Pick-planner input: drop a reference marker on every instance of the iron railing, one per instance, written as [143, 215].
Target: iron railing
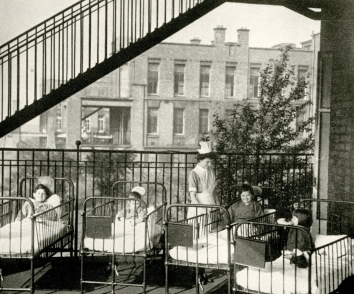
[80, 45]
[94, 171]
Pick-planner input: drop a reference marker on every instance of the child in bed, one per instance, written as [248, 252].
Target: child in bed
[247, 208]
[40, 196]
[299, 243]
[133, 212]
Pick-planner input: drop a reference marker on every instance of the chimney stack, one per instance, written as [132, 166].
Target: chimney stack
[195, 41]
[243, 36]
[219, 35]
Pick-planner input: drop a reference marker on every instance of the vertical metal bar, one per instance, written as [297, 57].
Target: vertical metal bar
[44, 63]
[157, 14]
[51, 62]
[72, 45]
[63, 51]
[122, 23]
[27, 69]
[135, 19]
[98, 32]
[90, 35]
[35, 66]
[18, 77]
[81, 39]
[114, 31]
[67, 53]
[149, 16]
[106, 30]
[59, 53]
[54, 59]
[2, 90]
[9, 81]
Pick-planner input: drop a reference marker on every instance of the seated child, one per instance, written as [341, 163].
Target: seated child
[246, 208]
[133, 212]
[299, 243]
[40, 205]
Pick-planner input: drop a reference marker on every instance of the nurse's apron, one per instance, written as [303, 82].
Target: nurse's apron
[204, 198]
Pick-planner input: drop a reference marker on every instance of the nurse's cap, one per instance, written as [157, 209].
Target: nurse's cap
[139, 189]
[205, 147]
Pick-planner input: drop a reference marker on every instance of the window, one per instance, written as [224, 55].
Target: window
[302, 75]
[230, 81]
[203, 121]
[179, 79]
[204, 80]
[58, 120]
[178, 121]
[254, 82]
[299, 121]
[152, 120]
[101, 123]
[153, 78]
[87, 124]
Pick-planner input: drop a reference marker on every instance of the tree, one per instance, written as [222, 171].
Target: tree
[266, 126]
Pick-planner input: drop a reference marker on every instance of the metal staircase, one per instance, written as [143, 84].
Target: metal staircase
[69, 51]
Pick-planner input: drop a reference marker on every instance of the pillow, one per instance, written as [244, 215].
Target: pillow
[54, 200]
[336, 249]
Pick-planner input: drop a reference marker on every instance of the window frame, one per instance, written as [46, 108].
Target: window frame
[253, 87]
[149, 124]
[204, 78]
[177, 79]
[202, 118]
[232, 86]
[178, 121]
[151, 83]
[99, 120]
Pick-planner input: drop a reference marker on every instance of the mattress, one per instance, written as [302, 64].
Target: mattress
[15, 237]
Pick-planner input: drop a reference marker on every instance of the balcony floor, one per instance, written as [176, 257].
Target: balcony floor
[62, 275]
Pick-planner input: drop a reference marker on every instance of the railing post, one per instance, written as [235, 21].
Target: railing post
[78, 143]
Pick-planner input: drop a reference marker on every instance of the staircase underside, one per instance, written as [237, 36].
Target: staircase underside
[133, 50]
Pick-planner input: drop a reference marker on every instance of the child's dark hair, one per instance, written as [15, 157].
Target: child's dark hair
[245, 188]
[43, 187]
[210, 155]
[304, 216]
[135, 195]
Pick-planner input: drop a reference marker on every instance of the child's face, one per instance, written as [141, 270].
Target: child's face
[133, 204]
[295, 220]
[40, 195]
[246, 197]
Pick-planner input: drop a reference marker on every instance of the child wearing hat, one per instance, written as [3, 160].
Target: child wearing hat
[133, 212]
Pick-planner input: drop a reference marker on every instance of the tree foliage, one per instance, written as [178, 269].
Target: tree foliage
[268, 125]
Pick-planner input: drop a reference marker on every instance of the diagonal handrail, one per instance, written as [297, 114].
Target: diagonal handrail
[77, 46]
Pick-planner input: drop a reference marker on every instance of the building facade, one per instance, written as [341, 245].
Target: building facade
[166, 98]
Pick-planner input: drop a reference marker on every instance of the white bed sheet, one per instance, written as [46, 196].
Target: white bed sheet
[274, 276]
[215, 253]
[128, 239]
[15, 237]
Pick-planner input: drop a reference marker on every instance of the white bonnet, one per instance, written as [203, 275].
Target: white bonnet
[205, 147]
[139, 189]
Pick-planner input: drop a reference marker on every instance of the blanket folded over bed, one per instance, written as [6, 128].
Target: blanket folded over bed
[15, 237]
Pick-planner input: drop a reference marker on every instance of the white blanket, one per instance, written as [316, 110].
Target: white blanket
[127, 239]
[211, 249]
[288, 279]
[15, 237]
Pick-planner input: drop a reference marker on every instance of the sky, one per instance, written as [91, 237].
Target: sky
[268, 25]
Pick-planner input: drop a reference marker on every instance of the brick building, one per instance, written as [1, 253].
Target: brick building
[166, 97]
